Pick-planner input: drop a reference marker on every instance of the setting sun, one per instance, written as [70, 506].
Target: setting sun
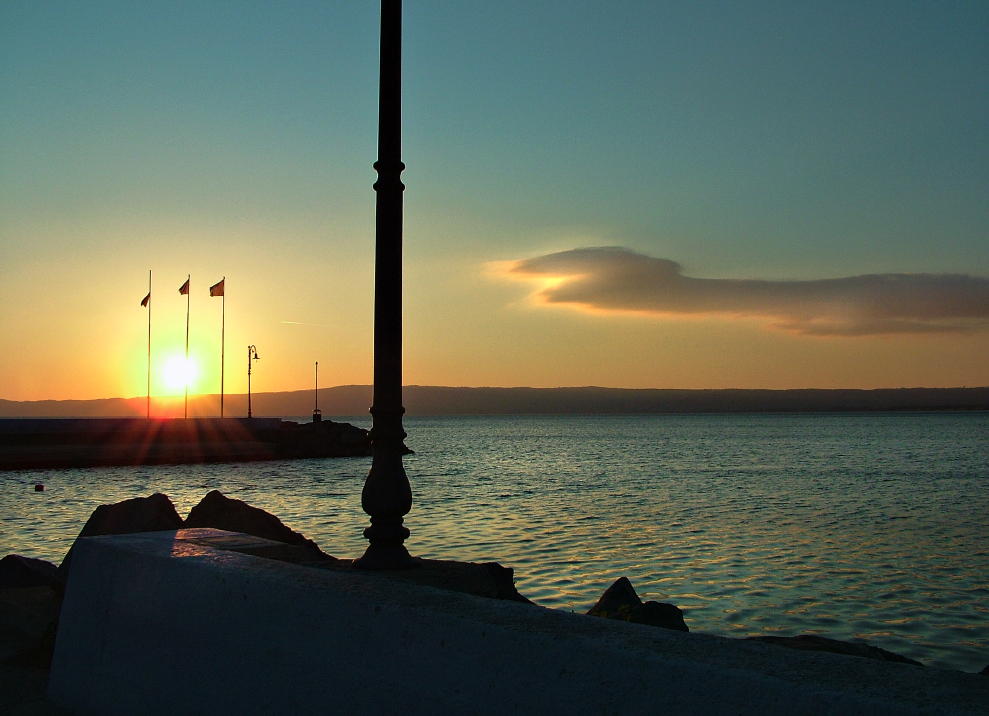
[179, 372]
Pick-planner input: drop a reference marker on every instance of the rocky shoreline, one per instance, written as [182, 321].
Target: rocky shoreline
[31, 589]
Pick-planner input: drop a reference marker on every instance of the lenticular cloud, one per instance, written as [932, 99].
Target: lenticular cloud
[613, 278]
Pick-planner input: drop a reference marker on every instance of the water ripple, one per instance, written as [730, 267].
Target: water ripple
[847, 525]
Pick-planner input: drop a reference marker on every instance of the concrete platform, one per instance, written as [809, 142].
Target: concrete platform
[179, 622]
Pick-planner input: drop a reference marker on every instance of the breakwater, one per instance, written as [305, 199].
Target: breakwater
[37, 443]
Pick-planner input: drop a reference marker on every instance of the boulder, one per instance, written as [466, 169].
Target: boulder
[139, 514]
[28, 622]
[659, 614]
[985, 671]
[482, 579]
[813, 642]
[620, 601]
[323, 439]
[18, 571]
[223, 513]
[502, 580]
[620, 597]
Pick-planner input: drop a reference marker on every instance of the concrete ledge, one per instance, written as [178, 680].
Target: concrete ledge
[175, 622]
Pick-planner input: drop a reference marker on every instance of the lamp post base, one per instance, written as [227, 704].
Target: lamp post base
[386, 557]
[386, 549]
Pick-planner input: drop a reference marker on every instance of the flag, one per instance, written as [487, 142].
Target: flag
[184, 288]
[217, 288]
[146, 300]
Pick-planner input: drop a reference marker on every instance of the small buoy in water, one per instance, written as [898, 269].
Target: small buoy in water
[39, 487]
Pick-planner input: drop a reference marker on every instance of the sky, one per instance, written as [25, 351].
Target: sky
[635, 194]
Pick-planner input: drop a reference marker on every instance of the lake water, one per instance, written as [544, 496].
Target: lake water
[869, 526]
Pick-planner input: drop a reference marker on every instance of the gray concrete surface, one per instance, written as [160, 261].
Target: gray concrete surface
[172, 622]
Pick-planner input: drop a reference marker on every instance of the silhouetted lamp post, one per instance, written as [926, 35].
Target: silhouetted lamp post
[387, 495]
[317, 415]
[252, 352]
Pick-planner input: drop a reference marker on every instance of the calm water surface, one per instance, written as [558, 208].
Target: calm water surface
[870, 526]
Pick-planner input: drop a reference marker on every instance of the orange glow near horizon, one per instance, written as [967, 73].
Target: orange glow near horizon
[294, 322]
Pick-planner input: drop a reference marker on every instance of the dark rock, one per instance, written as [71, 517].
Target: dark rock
[18, 571]
[659, 614]
[985, 671]
[483, 579]
[139, 514]
[620, 597]
[503, 581]
[326, 438]
[28, 621]
[22, 692]
[620, 602]
[221, 512]
[323, 439]
[813, 642]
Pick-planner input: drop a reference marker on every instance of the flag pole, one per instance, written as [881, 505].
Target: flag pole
[188, 295]
[149, 345]
[223, 336]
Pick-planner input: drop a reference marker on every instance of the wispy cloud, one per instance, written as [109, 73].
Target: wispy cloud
[301, 323]
[616, 279]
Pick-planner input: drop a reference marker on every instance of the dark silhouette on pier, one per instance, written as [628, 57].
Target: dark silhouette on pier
[387, 495]
[87, 442]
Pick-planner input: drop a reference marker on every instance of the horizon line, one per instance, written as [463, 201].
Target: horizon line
[179, 396]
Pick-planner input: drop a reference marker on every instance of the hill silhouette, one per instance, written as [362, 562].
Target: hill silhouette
[440, 400]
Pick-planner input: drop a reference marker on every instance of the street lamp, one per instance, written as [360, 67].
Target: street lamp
[387, 495]
[317, 415]
[252, 352]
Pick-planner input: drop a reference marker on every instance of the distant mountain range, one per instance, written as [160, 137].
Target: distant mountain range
[349, 400]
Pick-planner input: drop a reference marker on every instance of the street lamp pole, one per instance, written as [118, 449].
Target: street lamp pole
[387, 495]
[252, 352]
[317, 416]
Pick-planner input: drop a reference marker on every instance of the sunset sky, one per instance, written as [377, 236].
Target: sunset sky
[636, 194]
